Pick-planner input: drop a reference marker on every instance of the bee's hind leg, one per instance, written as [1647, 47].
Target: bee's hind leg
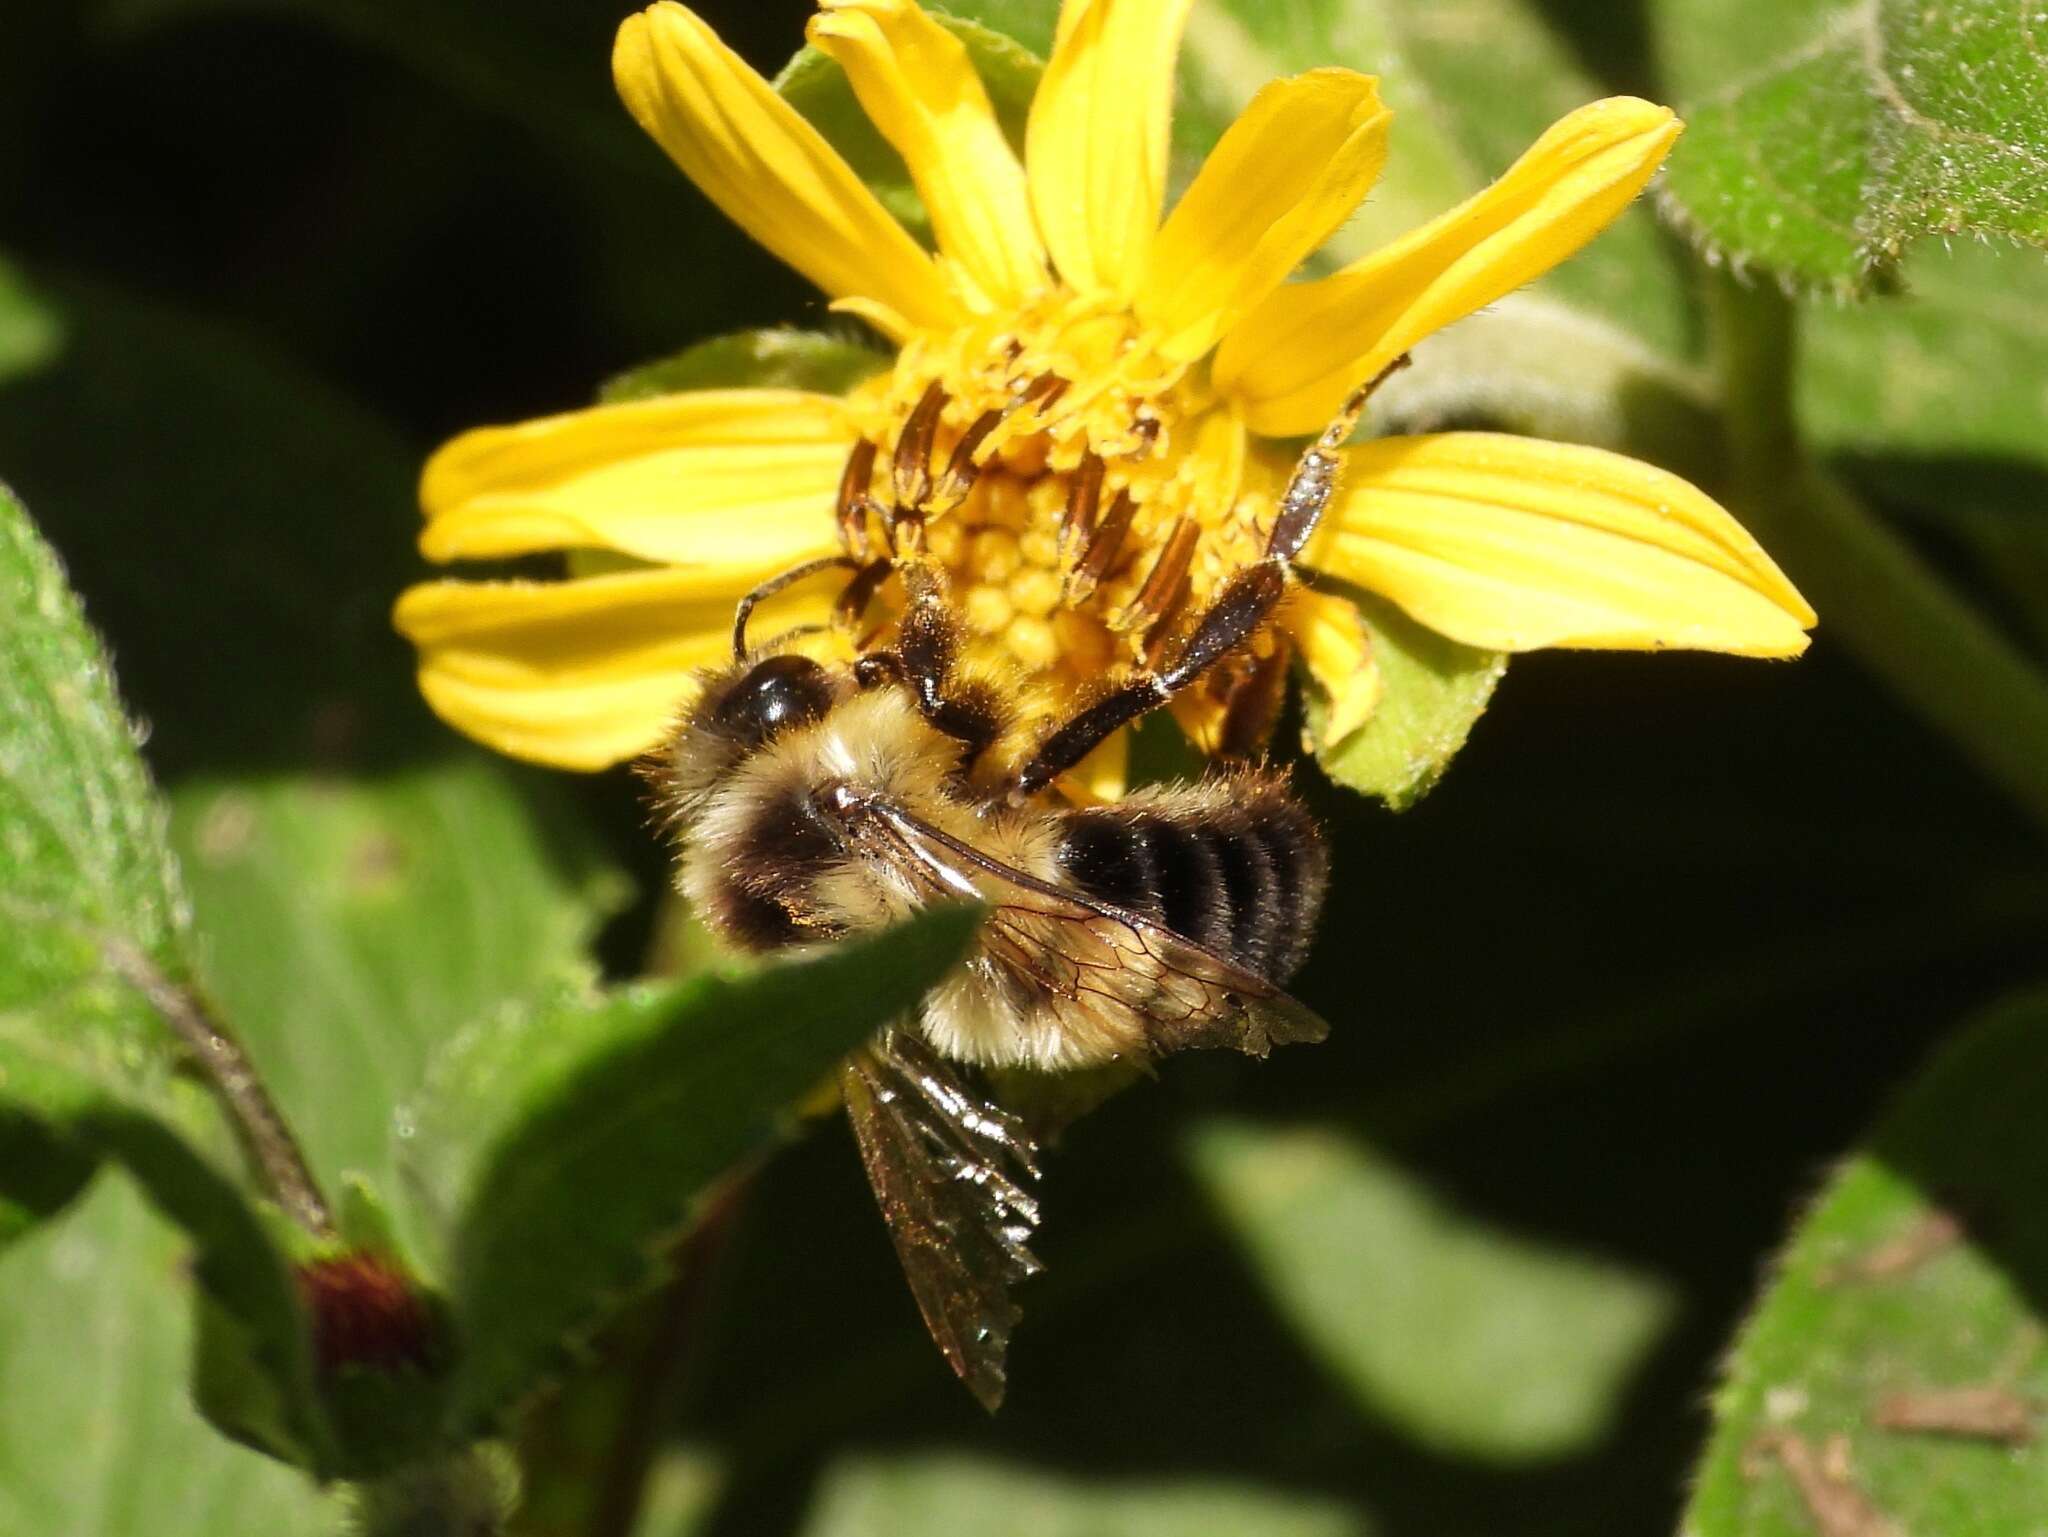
[1246, 602]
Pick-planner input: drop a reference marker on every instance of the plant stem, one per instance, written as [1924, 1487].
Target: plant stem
[1873, 590]
[266, 1138]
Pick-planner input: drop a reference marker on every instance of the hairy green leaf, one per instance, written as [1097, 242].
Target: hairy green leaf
[924, 1496]
[1475, 1341]
[1895, 1361]
[1826, 136]
[572, 1141]
[778, 358]
[1433, 691]
[88, 888]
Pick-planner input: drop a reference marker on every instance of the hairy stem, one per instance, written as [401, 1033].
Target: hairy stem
[1874, 592]
[267, 1139]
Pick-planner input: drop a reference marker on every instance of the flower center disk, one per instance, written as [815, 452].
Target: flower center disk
[1081, 493]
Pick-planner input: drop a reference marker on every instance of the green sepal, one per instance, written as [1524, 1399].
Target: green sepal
[778, 357]
[1432, 692]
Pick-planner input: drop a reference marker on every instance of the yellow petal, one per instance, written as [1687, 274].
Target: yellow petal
[1103, 775]
[1513, 544]
[1200, 715]
[916, 82]
[1338, 652]
[771, 172]
[1095, 148]
[1292, 359]
[738, 481]
[881, 317]
[1282, 178]
[577, 674]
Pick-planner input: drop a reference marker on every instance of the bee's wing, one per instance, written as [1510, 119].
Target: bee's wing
[951, 1174]
[1090, 959]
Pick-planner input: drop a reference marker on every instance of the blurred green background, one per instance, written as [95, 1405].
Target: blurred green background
[1605, 1005]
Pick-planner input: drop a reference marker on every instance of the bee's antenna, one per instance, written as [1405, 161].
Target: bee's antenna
[770, 588]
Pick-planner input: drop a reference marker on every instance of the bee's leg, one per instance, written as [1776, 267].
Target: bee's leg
[1246, 602]
[859, 592]
[928, 636]
[927, 647]
[910, 473]
[772, 586]
[1252, 701]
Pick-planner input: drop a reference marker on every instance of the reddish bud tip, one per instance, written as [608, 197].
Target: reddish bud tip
[365, 1312]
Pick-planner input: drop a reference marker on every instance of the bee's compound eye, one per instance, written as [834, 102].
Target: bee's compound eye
[782, 692]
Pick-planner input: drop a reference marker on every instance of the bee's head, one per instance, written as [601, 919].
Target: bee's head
[766, 698]
[738, 711]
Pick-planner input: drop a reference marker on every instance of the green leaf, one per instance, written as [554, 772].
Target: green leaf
[1475, 1341]
[351, 926]
[778, 358]
[1954, 366]
[571, 1142]
[106, 1114]
[1931, 400]
[97, 1429]
[1433, 690]
[98, 924]
[88, 890]
[924, 1496]
[1922, 1270]
[1825, 137]
[818, 88]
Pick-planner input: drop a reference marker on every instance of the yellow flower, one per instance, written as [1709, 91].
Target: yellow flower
[1121, 372]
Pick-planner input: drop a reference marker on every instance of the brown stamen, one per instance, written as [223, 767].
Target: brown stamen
[910, 466]
[961, 470]
[1084, 496]
[1168, 576]
[1102, 550]
[853, 503]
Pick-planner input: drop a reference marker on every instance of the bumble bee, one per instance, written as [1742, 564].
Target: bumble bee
[811, 801]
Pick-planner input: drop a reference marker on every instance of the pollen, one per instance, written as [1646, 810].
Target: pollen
[1080, 494]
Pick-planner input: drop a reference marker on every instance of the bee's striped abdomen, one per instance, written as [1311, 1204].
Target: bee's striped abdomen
[1241, 873]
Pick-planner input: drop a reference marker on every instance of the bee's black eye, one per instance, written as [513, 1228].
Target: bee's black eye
[781, 692]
